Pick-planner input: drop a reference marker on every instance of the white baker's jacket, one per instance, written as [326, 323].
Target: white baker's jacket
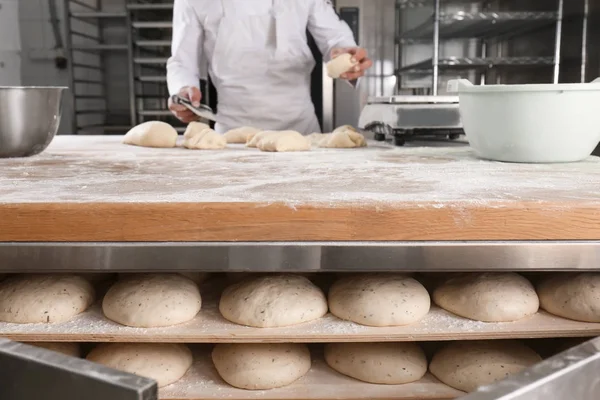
[196, 27]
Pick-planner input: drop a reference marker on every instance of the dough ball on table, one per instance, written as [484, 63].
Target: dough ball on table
[240, 135]
[151, 134]
[152, 300]
[488, 297]
[574, 296]
[259, 366]
[279, 141]
[69, 349]
[165, 363]
[199, 136]
[379, 299]
[383, 363]
[340, 65]
[273, 301]
[343, 139]
[27, 299]
[468, 365]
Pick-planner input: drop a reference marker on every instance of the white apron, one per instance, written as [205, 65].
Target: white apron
[261, 67]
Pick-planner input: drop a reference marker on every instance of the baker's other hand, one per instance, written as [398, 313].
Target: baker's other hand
[359, 55]
[181, 112]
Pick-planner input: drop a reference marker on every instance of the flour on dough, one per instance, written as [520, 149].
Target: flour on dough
[381, 363]
[253, 142]
[273, 301]
[283, 141]
[27, 299]
[240, 135]
[66, 348]
[152, 300]
[574, 296]
[260, 366]
[199, 136]
[468, 365]
[379, 299]
[340, 65]
[488, 297]
[151, 134]
[165, 363]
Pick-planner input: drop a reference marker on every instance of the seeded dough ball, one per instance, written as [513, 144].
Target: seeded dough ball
[468, 365]
[152, 300]
[379, 299]
[259, 366]
[273, 301]
[382, 363]
[27, 299]
[165, 363]
[572, 295]
[489, 297]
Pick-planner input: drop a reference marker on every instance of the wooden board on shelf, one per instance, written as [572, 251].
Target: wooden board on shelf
[210, 327]
[202, 382]
[88, 189]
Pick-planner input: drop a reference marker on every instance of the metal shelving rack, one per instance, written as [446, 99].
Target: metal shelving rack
[86, 48]
[150, 24]
[475, 25]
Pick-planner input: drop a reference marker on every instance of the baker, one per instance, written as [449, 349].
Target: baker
[258, 59]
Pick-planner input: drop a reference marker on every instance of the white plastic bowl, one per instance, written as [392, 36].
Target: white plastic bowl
[530, 123]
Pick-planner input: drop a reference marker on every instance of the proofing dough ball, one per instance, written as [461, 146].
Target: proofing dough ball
[259, 366]
[27, 299]
[344, 137]
[199, 136]
[240, 135]
[572, 295]
[68, 349]
[151, 134]
[165, 363]
[379, 299]
[489, 297]
[382, 363]
[152, 300]
[468, 365]
[273, 301]
[340, 65]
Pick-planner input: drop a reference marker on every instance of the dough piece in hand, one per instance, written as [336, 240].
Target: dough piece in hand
[27, 299]
[259, 366]
[340, 65]
[152, 300]
[284, 141]
[382, 363]
[488, 297]
[273, 301]
[199, 136]
[69, 349]
[574, 296]
[240, 135]
[379, 299]
[165, 363]
[468, 365]
[151, 134]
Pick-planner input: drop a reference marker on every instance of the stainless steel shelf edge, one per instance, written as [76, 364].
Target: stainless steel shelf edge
[477, 63]
[300, 256]
[572, 374]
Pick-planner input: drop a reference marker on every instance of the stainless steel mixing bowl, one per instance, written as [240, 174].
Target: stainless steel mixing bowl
[29, 119]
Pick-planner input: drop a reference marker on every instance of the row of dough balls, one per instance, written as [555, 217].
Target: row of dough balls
[199, 136]
[156, 300]
[258, 366]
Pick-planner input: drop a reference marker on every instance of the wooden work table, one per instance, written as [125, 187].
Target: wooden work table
[84, 189]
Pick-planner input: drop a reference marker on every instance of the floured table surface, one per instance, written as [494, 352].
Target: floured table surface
[96, 189]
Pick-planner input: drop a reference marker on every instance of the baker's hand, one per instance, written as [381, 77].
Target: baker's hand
[181, 112]
[360, 56]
